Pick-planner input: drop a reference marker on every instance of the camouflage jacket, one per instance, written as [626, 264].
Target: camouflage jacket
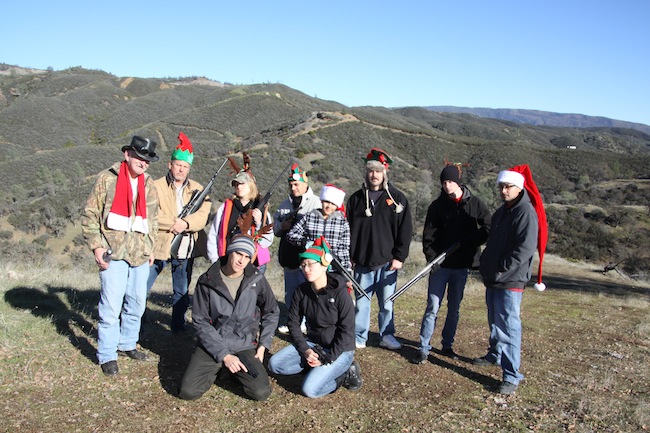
[134, 247]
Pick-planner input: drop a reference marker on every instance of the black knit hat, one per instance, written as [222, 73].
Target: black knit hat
[450, 172]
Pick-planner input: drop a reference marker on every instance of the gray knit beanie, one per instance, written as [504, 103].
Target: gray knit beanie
[243, 244]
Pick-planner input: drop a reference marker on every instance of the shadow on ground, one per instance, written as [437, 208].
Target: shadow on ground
[74, 315]
[589, 285]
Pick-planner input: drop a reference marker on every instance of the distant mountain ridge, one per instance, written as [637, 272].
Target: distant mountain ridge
[543, 118]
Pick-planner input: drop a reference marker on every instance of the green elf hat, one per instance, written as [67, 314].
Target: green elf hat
[318, 251]
[297, 174]
[183, 151]
[379, 155]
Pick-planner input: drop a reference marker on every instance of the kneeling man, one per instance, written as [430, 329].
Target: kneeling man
[232, 304]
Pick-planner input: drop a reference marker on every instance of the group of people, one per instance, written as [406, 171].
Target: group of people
[130, 220]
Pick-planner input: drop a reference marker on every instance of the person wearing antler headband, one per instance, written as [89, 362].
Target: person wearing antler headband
[174, 192]
[245, 200]
[380, 229]
[301, 201]
[456, 217]
[518, 229]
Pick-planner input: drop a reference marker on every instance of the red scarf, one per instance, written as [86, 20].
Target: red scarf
[121, 216]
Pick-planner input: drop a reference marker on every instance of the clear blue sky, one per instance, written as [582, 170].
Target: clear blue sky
[569, 56]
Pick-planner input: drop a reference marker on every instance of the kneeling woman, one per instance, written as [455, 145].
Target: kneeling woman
[328, 347]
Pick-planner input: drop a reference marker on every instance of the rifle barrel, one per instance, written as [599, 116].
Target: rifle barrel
[441, 258]
[347, 275]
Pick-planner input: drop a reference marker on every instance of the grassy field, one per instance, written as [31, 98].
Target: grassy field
[586, 357]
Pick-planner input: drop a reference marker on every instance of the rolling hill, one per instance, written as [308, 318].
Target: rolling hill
[58, 129]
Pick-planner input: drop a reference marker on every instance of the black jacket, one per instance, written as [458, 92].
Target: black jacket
[386, 235]
[225, 326]
[329, 315]
[448, 222]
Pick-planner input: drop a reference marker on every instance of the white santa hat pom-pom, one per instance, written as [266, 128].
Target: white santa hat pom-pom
[540, 287]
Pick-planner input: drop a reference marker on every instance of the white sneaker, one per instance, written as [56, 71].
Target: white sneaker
[303, 328]
[360, 345]
[389, 342]
[284, 329]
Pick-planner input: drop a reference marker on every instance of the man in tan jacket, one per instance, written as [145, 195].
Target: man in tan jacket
[174, 192]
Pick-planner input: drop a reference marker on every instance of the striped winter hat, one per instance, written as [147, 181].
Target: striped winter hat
[243, 244]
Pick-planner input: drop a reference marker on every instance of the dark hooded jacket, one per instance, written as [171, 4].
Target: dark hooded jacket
[506, 262]
[225, 326]
[329, 314]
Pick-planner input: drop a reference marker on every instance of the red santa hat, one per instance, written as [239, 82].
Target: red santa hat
[536, 200]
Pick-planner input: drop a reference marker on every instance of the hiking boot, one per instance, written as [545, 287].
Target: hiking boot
[353, 379]
[507, 388]
[420, 358]
[133, 354]
[449, 353]
[482, 362]
[389, 342]
[110, 368]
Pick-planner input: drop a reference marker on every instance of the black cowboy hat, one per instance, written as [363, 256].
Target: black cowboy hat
[144, 148]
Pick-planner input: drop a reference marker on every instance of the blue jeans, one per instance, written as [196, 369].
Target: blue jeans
[181, 278]
[380, 281]
[454, 280]
[503, 308]
[122, 299]
[292, 279]
[320, 380]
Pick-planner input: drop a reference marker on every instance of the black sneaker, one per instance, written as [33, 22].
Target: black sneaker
[133, 354]
[353, 379]
[507, 388]
[482, 362]
[110, 368]
[420, 358]
[449, 353]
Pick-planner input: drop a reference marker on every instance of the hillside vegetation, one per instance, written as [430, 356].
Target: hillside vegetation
[58, 129]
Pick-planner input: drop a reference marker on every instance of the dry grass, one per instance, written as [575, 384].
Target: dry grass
[585, 356]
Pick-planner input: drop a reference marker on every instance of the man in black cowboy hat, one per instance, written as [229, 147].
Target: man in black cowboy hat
[119, 224]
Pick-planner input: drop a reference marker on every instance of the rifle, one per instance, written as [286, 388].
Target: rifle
[441, 258]
[264, 201]
[192, 206]
[339, 266]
